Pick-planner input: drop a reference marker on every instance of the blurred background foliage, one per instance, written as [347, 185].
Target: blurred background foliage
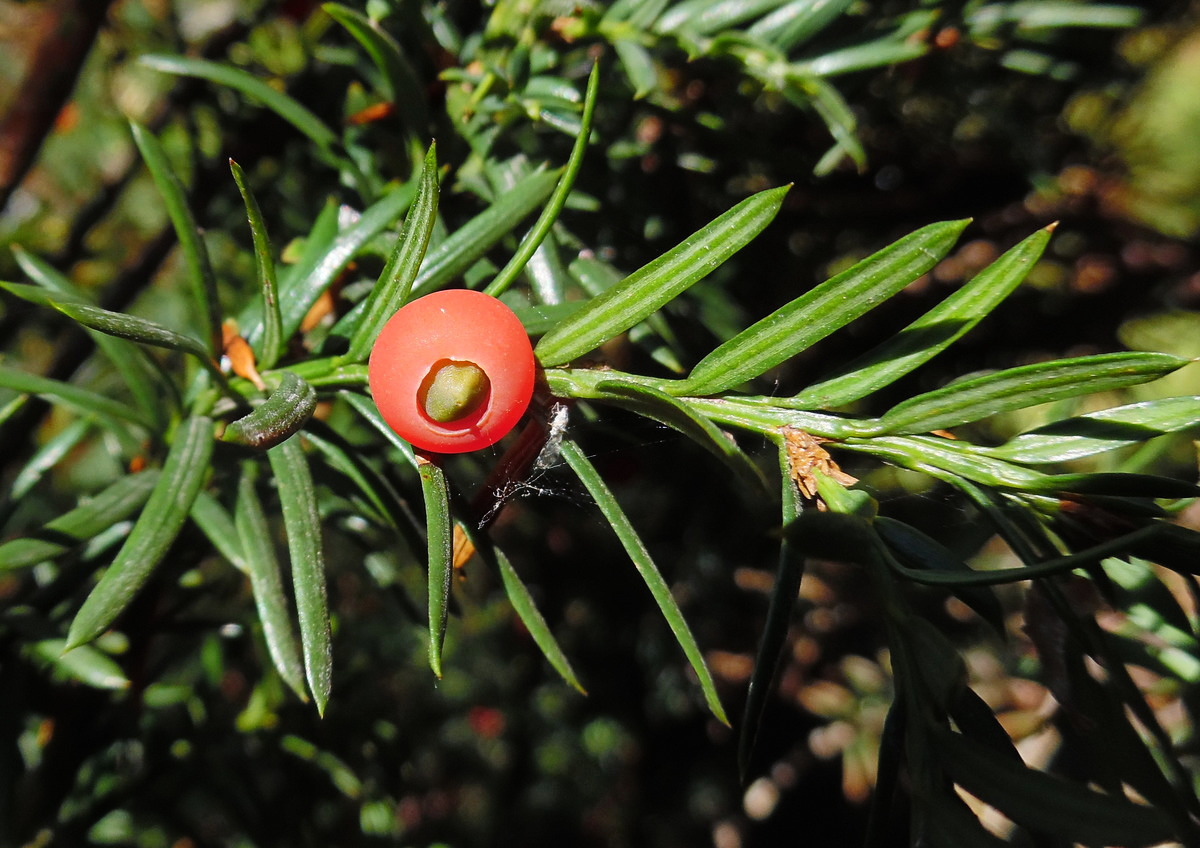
[887, 116]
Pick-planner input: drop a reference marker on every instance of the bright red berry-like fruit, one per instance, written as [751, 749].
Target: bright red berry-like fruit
[452, 371]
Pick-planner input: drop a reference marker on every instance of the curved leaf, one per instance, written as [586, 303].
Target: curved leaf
[522, 601]
[272, 343]
[161, 519]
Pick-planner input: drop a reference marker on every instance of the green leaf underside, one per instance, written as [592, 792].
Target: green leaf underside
[930, 334]
[91, 517]
[302, 524]
[1044, 803]
[647, 289]
[1018, 388]
[1097, 432]
[818, 313]
[531, 617]
[395, 282]
[254, 534]
[161, 519]
[649, 572]
[439, 529]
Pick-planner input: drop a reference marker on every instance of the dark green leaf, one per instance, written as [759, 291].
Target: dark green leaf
[395, 282]
[648, 288]
[1047, 804]
[91, 517]
[217, 524]
[541, 227]
[784, 595]
[271, 346]
[282, 105]
[1117, 484]
[930, 334]
[438, 526]
[399, 82]
[523, 603]
[646, 568]
[81, 400]
[183, 474]
[195, 254]
[277, 418]
[794, 23]
[83, 663]
[665, 409]
[302, 523]
[830, 306]
[255, 537]
[47, 456]
[703, 17]
[1027, 385]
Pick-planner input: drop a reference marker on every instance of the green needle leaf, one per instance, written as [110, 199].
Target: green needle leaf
[522, 601]
[302, 523]
[263, 567]
[551, 210]
[451, 257]
[438, 527]
[90, 518]
[1097, 432]
[646, 568]
[395, 282]
[930, 334]
[162, 518]
[663, 279]
[1018, 388]
[195, 254]
[829, 307]
[81, 400]
[272, 344]
[254, 88]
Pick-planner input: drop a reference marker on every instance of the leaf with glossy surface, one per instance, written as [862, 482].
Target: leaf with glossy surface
[1097, 432]
[930, 334]
[161, 519]
[395, 282]
[440, 535]
[262, 566]
[1027, 385]
[649, 572]
[830, 306]
[302, 523]
[647, 289]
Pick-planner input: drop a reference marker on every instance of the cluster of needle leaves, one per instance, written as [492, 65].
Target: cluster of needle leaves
[231, 434]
